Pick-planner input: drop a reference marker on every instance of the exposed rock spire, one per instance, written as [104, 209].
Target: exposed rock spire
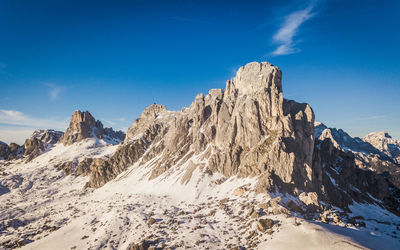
[248, 129]
[83, 125]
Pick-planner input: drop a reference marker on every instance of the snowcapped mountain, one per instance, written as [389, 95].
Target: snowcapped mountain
[385, 143]
[239, 168]
[379, 144]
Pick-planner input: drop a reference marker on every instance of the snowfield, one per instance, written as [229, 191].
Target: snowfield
[42, 208]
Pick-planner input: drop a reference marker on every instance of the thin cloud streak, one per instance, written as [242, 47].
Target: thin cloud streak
[289, 29]
[110, 122]
[377, 117]
[17, 118]
[16, 135]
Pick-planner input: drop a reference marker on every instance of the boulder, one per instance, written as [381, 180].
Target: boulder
[264, 224]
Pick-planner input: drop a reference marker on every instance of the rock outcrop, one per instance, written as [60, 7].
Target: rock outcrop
[83, 125]
[338, 158]
[10, 152]
[40, 141]
[248, 129]
[343, 140]
[3, 150]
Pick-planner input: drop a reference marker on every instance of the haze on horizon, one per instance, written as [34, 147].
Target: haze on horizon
[115, 59]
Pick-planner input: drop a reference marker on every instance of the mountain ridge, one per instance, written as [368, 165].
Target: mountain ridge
[239, 167]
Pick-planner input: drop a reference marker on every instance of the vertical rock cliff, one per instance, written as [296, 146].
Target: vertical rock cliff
[83, 125]
[248, 129]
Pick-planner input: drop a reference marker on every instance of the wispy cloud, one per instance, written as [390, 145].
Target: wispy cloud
[284, 37]
[17, 118]
[54, 91]
[376, 117]
[118, 123]
[16, 135]
[110, 122]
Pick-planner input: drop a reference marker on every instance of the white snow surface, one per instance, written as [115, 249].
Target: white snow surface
[53, 211]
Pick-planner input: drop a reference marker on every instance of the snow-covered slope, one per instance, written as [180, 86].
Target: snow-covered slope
[35, 191]
[239, 168]
[50, 210]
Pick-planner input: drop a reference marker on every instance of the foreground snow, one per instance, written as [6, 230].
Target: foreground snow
[53, 211]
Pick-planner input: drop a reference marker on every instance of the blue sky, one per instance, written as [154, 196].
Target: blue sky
[114, 58]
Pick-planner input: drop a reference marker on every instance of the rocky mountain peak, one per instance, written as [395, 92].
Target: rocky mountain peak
[255, 77]
[377, 135]
[40, 141]
[384, 142]
[10, 152]
[79, 117]
[141, 124]
[83, 125]
[48, 136]
[248, 129]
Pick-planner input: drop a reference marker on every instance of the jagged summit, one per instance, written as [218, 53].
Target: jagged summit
[40, 141]
[248, 129]
[83, 125]
[343, 140]
[379, 144]
[255, 77]
[148, 116]
[10, 152]
[35, 145]
[381, 134]
[384, 142]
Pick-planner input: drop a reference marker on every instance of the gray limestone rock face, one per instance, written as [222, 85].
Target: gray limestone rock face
[248, 129]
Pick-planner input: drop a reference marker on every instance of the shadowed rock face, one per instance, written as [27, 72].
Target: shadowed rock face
[10, 152]
[83, 125]
[33, 146]
[385, 143]
[4, 150]
[349, 169]
[248, 129]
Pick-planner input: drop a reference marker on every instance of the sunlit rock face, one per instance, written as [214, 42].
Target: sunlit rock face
[384, 142]
[248, 129]
[40, 141]
[83, 125]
